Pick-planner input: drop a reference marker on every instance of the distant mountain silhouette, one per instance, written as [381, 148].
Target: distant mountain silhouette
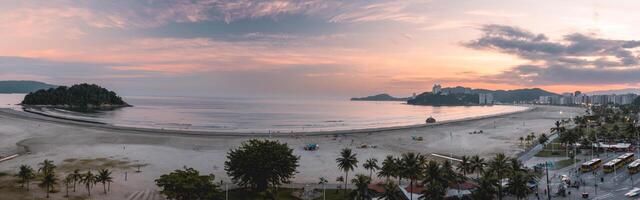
[379, 97]
[518, 95]
[619, 91]
[8, 87]
[467, 96]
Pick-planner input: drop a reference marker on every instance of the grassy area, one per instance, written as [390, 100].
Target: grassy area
[553, 149]
[4, 174]
[283, 194]
[564, 163]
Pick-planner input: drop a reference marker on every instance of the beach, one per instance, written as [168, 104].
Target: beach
[162, 151]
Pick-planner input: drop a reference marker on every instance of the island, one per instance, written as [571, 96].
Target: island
[379, 97]
[432, 99]
[23, 87]
[77, 97]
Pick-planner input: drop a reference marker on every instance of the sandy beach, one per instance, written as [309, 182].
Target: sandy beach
[163, 151]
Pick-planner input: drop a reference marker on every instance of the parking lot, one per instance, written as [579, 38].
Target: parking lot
[597, 184]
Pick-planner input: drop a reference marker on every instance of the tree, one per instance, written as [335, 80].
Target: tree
[486, 188]
[477, 165]
[518, 185]
[390, 191]
[558, 128]
[77, 177]
[68, 180]
[323, 182]
[46, 167]
[389, 168]
[188, 184]
[104, 177]
[543, 139]
[347, 162]
[500, 168]
[339, 179]
[25, 174]
[450, 175]
[465, 165]
[371, 164]
[89, 180]
[361, 182]
[48, 181]
[48, 175]
[515, 166]
[435, 183]
[413, 163]
[522, 141]
[261, 163]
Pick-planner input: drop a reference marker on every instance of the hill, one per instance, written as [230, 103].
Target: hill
[431, 99]
[9, 87]
[379, 97]
[617, 92]
[518, 95]
[82, 96]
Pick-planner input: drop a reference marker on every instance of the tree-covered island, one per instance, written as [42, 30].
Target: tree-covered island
[82, 96]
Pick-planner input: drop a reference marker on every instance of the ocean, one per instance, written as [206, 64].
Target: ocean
[249, 115]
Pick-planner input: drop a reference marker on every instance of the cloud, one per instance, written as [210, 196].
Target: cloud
[575, 59]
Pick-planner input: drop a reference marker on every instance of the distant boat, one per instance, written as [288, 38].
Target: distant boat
[431, 120]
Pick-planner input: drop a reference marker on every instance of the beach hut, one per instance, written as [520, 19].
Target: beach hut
[431, 120]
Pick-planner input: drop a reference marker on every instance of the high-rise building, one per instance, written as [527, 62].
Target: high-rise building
[437, 89]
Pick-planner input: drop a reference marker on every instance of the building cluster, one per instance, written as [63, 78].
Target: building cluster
[483, 98]
[578, 98]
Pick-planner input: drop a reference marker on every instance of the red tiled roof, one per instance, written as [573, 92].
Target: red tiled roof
[415, 188]
[377, 187]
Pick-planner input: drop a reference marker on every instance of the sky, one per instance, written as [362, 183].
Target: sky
[310, 48]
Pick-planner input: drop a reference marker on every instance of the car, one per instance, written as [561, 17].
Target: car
[633, 192]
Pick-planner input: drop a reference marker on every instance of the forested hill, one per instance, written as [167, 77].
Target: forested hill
[77, 96]
[23, 87]
[379, 97]
[519, 95]
[431, 99]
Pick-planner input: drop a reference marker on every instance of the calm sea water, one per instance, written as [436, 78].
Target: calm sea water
[263, 115]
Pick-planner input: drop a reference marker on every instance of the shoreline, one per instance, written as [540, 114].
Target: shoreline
[34, 115]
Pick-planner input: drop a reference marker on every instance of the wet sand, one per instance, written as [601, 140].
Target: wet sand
[164, 151]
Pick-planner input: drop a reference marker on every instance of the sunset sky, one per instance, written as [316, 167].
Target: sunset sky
[321, 47]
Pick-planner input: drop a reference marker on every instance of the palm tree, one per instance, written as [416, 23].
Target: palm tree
[371, 164]
[435, 182]
[77, 177]
[413, 164]
[340, 179]
[500, 167]
[347, 162]
[88, 179]
[389, 168]
[26, 174]
[477, 165]
[48, 181]
[46, 167]
[450, 175]
[465, 165]
[104, 177]
[486, 188]
[521, 141]
[68, 180]
[515, 166]
[518, 185]
[559, 128]
[323, 182]
[362, 184]
[390, 191]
